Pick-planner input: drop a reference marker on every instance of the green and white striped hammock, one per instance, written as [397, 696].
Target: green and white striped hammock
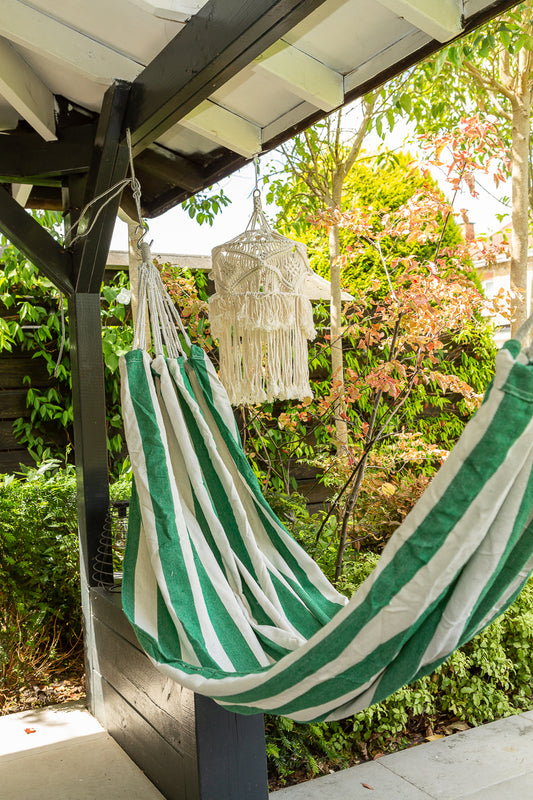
[224, 601]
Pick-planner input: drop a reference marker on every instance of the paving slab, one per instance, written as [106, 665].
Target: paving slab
[492, 762]
[42, 726]
[520, 788]
[470, 761]
[370, 781]
[62, 753]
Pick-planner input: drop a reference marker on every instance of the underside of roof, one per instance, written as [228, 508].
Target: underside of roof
[208, 85]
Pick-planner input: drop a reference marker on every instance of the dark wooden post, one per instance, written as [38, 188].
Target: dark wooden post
[89, 244]
[88, 398]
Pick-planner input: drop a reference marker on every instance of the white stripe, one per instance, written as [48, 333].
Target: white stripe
[481, 565]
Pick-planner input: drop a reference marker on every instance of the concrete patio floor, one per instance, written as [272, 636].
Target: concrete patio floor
[62, 753]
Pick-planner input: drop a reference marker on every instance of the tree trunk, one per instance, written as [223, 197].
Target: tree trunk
[337, 362]
[520, 206]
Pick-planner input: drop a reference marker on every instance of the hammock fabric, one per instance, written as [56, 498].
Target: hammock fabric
[225, 602]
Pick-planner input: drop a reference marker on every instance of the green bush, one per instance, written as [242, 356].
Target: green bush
[39, 574]
[40, 606]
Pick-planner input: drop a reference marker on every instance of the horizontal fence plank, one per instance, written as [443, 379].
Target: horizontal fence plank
[107, 607]
[11, 461]
[157, 699]
[7, 437]
[13, 403]
[14, 368]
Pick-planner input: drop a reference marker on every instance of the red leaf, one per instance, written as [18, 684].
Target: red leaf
[29, 730]
[367, 786]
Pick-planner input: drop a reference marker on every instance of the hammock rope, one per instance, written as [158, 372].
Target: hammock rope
[225, 602]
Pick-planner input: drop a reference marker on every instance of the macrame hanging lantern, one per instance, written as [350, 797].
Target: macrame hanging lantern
[260, 315]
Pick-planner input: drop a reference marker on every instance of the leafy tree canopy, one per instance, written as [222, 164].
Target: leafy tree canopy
[377, 184]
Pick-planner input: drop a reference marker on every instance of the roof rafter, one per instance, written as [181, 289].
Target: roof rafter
[302, 74]
[221, 39]
[26, 92]
[43, 34]
[441, 19]
[225, 128]
[26, 156]
[172, 167]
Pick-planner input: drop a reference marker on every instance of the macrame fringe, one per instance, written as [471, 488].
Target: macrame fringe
[263, 345]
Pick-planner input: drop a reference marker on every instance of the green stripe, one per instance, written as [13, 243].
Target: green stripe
[168, 640]
[233, 642]
[130, 554]
[170, 550]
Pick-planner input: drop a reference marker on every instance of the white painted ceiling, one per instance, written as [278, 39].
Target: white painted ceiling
[76, 48]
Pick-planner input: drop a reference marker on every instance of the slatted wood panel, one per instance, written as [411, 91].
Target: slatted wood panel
[187, 745]
[14, 367]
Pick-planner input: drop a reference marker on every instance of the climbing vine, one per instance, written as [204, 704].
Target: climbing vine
[32, 323]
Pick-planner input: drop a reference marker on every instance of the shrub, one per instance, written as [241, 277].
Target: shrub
[39, 573]
[40, 606]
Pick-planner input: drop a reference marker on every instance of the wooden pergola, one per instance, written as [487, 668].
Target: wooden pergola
[202, 88]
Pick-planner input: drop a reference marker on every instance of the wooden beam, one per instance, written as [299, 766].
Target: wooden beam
[440, 19]
[90, 442]
[109, 166]
[303, 75]
[21, 192]
[171, 167]
[42, 33]
[221, 39]
[25, 156]
[45, 198]
[225, 128]
[26, 92]
[36, 243]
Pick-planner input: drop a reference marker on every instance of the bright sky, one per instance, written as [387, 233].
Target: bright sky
[176, 232]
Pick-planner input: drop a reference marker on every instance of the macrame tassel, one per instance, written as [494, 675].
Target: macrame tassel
[263, 345]
[259, 316]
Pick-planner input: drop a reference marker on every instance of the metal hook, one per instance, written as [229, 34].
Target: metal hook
[141, 229]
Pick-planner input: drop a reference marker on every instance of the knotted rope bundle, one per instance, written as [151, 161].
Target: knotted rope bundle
[259, 314]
